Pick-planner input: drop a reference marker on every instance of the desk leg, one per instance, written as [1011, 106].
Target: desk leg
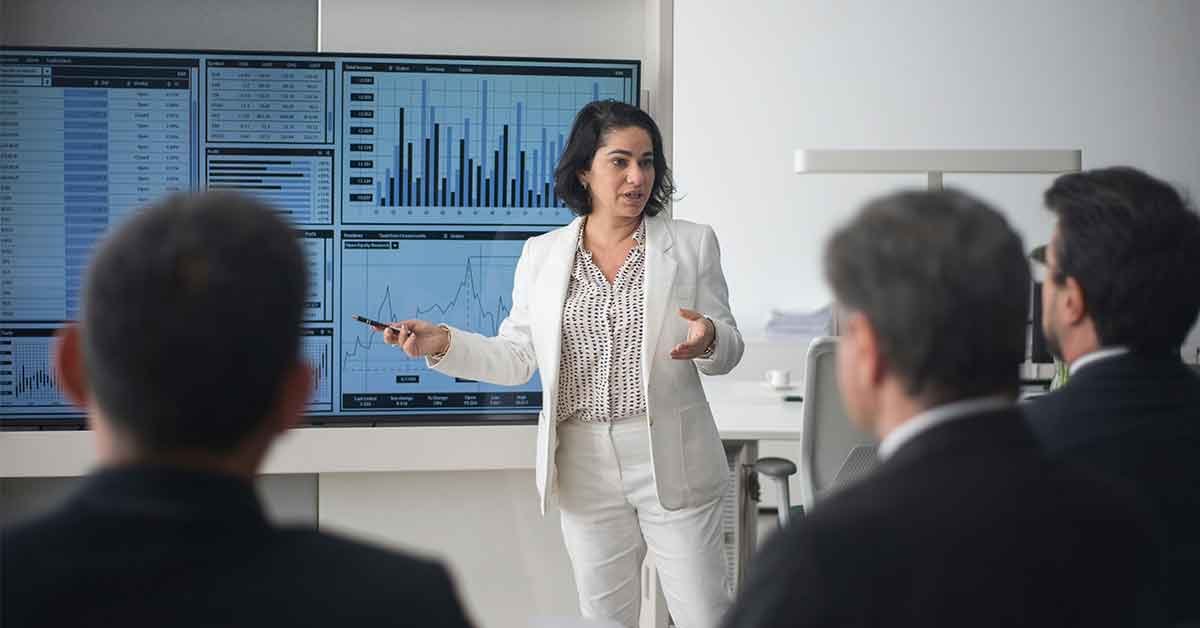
[741, 509]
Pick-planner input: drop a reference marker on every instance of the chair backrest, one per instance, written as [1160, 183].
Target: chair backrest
[827, 435]
[859, 462]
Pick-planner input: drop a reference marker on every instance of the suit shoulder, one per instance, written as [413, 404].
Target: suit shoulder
[545, 239]
[1051, 402]
[689, 229]
[375, 577]
[1045, 415]
[539, 246]
[847, 512]
[26, 539]
[335, 550]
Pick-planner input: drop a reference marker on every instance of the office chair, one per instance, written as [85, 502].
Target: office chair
[833, 452]
[828, 439]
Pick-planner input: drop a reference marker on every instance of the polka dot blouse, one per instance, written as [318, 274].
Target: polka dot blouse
[600, 374]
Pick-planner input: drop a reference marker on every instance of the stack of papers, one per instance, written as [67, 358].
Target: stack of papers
[798, 324]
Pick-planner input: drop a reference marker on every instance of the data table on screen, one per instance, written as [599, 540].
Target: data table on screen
[270, 101]
[297, 182]
[459, 143]
[86, 141]
[461, 278]
[318, 251]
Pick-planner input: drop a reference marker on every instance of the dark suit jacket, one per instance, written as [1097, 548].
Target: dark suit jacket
[164, 547]
[1138, 418]
[965, 525]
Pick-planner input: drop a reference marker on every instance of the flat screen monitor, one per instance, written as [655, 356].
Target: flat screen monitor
[1039, 351]
[412, 182]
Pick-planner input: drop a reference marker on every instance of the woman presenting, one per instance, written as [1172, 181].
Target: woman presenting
[619, 311]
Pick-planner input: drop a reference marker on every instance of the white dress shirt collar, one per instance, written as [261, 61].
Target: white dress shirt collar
[933, 417]
[1096, 356]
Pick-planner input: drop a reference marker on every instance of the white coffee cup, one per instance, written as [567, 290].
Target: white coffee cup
[778, 378]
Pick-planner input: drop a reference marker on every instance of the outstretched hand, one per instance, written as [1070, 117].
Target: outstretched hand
[701, 332]
[417, 338]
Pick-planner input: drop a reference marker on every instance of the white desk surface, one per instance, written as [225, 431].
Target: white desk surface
[750, 411]
[743, 411]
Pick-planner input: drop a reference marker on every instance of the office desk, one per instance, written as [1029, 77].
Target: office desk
[752, 412]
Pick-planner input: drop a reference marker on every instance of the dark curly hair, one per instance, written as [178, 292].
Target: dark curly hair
[587, 136]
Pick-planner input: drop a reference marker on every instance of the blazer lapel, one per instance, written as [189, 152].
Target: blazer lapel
[659, 278]
[551, 289]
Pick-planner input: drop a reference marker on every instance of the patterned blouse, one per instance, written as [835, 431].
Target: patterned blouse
[600, 373]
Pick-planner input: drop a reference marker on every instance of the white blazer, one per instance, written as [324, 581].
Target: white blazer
[683, 269]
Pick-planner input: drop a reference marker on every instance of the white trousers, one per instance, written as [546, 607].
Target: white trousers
[610, 515]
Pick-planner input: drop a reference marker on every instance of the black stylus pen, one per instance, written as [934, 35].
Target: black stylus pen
[374, 323]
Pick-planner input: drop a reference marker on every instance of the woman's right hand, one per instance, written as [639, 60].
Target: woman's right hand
[417, 338]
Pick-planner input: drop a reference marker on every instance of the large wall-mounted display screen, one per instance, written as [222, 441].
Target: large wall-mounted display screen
[412, 182]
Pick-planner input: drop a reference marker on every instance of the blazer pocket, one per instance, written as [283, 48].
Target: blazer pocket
[704, 463]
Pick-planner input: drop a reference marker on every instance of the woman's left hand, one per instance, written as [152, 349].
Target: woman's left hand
[701, 332]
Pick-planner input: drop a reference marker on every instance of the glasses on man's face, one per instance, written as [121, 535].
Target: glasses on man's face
[1038, 254]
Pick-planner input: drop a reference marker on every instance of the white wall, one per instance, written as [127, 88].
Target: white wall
[508, 562]
[288, 499]
[754, 81]
[526, 28]
[257, 25]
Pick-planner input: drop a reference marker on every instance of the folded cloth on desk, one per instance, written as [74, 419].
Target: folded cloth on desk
[800, 324]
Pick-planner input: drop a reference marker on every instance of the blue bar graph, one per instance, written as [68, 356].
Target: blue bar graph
[483, 147]
[298, 183]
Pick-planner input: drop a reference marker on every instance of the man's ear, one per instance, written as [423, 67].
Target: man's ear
[1074, 307]
[873, 352]
[864, 342]
[69, 366]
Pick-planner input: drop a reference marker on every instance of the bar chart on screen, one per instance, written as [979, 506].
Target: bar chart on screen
[461, 144]
[317, 346]
[27, 378]
[461, 278]
[296, 182]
